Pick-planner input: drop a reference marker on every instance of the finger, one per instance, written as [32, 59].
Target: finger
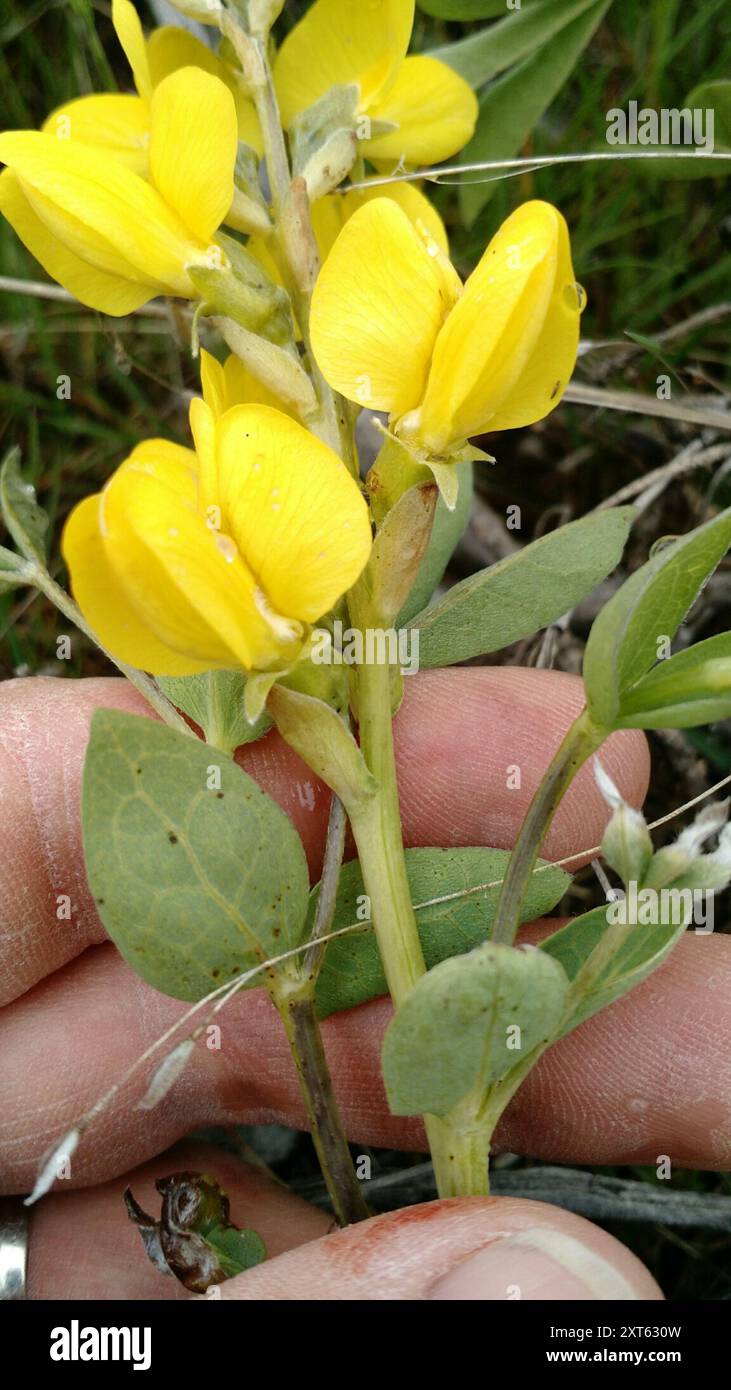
[463, 1249]
[650, 1076]
[464, 738]
[83, 1245]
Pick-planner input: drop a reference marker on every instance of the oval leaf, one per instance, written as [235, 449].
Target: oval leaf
[352, 972]
[637, 956]
[215, 702]
[197, 874]
[467, 1023]
[523, 593]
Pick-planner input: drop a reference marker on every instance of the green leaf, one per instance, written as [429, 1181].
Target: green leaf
[25, 520]
[469, 1022]
[352, 972]
[513, 105]
[693, 687]
[637, 956]
[319, 735]
[523, 593]
[490, 51]
[467, 9]
[236, 1250]
[196, 873]
[649, 607]
[215, 702]
[324, 142]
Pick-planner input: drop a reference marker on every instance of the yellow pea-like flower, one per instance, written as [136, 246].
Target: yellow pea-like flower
[120, 124]
[230, 383]
[393, 328]
[329, 216]
[109, 236]
[365, 42]
[220, 558]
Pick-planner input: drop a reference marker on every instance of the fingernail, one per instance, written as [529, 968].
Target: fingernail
[537, 1263]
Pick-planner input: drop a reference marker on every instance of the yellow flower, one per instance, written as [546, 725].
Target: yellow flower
[393, 328]
[120, 124]
[330, 214]
[364, 42]
[219, 558]
[230, 383]
[110, 237]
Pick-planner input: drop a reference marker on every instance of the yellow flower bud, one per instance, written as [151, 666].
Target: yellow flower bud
[219, 558]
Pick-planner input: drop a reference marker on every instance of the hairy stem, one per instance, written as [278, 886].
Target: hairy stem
[297, 1012]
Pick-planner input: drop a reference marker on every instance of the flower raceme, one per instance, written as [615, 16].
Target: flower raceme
[393, 327]
[218, 558]
[109, 236]
[431, 109]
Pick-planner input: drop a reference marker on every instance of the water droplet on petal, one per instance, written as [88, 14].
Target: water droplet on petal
[575, 297]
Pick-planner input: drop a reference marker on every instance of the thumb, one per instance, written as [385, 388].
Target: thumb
[464, 1248]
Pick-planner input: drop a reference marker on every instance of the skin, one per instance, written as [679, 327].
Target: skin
[649, 1076]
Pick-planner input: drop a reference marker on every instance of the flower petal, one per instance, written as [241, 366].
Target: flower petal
[434, 108]
[297, 516]
[120, 218]
[128, 28]
[193, 141]
[541, 384]
[110, 294]
[213, 382]
[231, 383]
[118, 124]
[170, 48]
[378, 305]
[104, 603]
[492, 333]
[339, 42]
[184, 579]
[330, 214]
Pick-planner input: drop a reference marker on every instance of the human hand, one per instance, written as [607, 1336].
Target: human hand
[640, 1079]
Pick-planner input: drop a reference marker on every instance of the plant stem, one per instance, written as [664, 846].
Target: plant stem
[459, 1167]
[463, 1151]
[297, 1012]
[377, 830]
[330, 877]
[582, 739]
